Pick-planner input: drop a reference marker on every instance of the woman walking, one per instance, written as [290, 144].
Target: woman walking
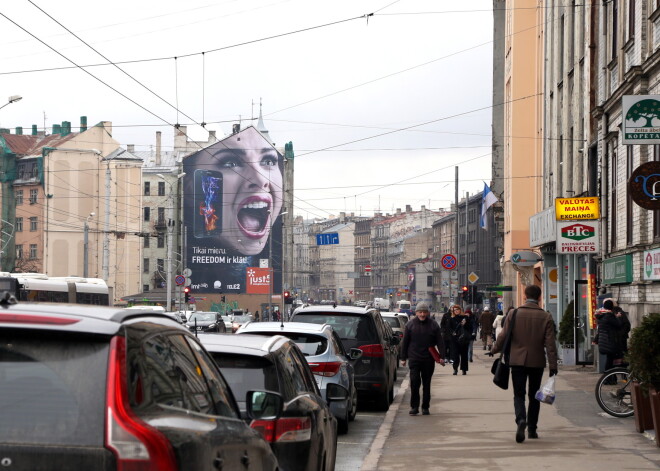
[460, 326]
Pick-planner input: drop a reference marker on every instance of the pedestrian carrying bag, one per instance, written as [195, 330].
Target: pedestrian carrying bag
[500, 368]
[547, 392]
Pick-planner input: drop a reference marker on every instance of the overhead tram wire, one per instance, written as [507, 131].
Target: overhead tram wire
[108, 85]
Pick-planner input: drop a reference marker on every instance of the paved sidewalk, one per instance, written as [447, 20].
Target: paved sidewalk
[471, 427]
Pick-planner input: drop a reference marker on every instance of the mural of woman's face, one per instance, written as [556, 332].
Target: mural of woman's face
[252, 191]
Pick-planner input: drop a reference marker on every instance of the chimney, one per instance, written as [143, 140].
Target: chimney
[398, 211]
[57, 129]
[236, 128]
[423, 208]
[19, 131]
[130, 148]
[158, 148]
[34, 129]
[83, 123]
[212, 137]
[408, 208]
[342, 216]
[66, 128]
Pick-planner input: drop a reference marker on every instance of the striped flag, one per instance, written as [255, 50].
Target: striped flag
[487, 200]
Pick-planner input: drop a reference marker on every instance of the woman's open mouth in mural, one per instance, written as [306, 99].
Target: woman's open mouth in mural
[254, 216]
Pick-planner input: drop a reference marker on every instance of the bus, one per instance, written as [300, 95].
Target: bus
[37, 287]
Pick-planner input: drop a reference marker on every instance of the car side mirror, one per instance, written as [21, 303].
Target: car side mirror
[394, 340]
[263, 405]
[355, 354]
[335, 392]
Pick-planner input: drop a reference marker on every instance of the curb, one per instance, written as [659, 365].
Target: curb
[370, 462]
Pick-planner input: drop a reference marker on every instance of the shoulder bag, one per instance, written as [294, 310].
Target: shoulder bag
[500, 368]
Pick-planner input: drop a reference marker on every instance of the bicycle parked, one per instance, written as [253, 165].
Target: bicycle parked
[614, 392]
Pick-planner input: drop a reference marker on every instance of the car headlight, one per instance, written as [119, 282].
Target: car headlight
[212, 326]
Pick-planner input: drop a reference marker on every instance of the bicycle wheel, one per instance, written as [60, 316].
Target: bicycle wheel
[613, 392]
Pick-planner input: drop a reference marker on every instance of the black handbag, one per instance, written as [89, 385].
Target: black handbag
[501, 368]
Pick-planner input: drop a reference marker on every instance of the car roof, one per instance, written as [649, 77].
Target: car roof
[255, 345]
[75, 317]
[334, 309]
[275, 327]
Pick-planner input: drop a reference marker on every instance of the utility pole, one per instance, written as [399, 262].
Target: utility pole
[106, 226]
[86, 246]
[170, 234]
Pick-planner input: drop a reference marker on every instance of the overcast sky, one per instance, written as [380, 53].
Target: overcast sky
[380, 109]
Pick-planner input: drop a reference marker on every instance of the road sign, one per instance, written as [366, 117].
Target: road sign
[179, 280]
[367, 268]
[187, 281]
[327, 239]
[187, 272]
[473, 277]
[449, 262]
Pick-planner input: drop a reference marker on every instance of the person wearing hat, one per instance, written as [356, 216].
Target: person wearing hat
[420, 334]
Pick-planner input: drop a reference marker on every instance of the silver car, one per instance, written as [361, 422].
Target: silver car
[326, 357]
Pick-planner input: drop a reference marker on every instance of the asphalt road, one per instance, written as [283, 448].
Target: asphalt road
[353, 447]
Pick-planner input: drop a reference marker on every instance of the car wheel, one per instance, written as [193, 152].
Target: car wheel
[383, 401]
[354, 403]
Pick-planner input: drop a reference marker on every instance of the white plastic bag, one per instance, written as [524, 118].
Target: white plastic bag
[547, 392]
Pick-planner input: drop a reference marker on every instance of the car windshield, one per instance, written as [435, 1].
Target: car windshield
[347, 326]
[241, 318]
[309, 344]
[393, 322]
[245, 373]
[52, 390]
[202, 317]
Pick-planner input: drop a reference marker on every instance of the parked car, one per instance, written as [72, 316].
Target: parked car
[90, 387]
[365, 329]
[305, 436]
[208, 322]
[326, 357]
[238, 321]
[396, 322]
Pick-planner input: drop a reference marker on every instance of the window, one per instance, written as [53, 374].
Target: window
[145, 265]
[613, 201]
[161, 216]
[161, 240]
[33, 196]
[19, 251]
[33, 251]
[19, 197]
[147, 188]
[33, 224]
[19, 224]
[147, 213]
[631, 20]
[160, 265]
[27, 170]
[615, 27]
[145, 288]
[161, 188]
[429, 280]
[146, 241]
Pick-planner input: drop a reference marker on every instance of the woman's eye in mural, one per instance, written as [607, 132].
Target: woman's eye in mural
[230, 162]
[268, 161]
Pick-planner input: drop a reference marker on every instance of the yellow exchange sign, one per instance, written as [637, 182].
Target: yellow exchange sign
[575, 209]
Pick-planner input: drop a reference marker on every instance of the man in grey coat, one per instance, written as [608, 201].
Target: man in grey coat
[533, 338]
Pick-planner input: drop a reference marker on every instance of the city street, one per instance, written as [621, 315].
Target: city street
[471, 426]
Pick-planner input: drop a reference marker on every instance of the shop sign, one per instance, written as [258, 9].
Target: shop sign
[577, 238]
[644, 185]
[617, 270]
[652, 265]
[641, 123]
[577, 209]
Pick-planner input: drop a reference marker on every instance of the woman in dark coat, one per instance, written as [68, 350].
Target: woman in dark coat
[460, 328]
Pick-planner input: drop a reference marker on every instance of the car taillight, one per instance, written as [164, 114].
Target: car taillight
[285, 429]
[36, 319]
[136, 445]
[372, 350]
[329, 368]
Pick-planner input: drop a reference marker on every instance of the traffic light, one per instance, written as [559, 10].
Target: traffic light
[186, 293]
[287, 298]
[223, 298]
[465, 293]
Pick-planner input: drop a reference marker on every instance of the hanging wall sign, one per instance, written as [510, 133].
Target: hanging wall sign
[577, 238]
[641, 119]
[644, 185]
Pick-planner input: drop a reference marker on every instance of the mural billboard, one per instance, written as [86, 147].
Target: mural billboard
[232, 203]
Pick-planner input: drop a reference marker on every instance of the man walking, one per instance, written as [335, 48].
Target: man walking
[419, 335]
[533, 338]
[486, 323]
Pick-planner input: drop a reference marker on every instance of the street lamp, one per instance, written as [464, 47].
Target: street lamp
[86, 246]
[170, 230]
[12, 99]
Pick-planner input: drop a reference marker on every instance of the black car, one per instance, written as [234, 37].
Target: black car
[363, 328]
[94, 388]
[208, 322]
[305, 436]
